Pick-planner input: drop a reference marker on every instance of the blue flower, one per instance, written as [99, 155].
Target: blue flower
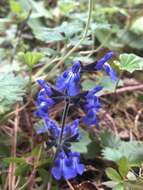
[44, 101]
[75, 157]
[67, 166]
[45, 86]
[71, 132]
[91, 118]
[63, 167]
[69, 81]
[92, 105]
[103, 65]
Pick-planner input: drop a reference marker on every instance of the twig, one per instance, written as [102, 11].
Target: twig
[12, 166]
[70, 185]
[126, 89]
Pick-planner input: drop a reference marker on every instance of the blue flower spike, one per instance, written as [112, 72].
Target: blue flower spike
[67, 163]
[69, 81]
[102, 64]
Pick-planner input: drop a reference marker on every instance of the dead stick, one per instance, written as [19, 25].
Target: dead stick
[12, 166]
[125, 89]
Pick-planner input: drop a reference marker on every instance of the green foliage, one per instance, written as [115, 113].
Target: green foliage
[130, 62]
[66, 6]
[109, 85]
[123, 166]
[12, 90]
[137, 26]
[108, 139]
[30, 58]
[45, 34]
[113, 175]
[85, 140]
[115, 149]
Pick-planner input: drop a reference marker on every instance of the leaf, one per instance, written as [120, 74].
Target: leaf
[15, 7]
[66, 6]
[37, 8]
[14, 160]
[81, 146]
[108, 139]
[69, 28]
[108, 84]
[130, 62]
[30, 58]
[123, 166]
[120, 186]
[137, 26]
[45, 34]
[12, 90]
[22, 169]
[113, 175]
[110, 184]
[88, 84]
[132, 40]
[132, 150]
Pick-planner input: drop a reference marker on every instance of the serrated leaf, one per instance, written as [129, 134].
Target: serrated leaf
[113, 175]
[12, 90]
[130, 62]
[108, 139]
[30, 58]
[84, 141]
[132, 150]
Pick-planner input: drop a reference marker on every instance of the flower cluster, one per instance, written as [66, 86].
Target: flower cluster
[68, 89]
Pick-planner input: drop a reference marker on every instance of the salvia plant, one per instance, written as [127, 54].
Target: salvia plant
[66, 163]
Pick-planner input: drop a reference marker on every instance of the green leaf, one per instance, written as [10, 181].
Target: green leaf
[132, 40]
[22, 169]
[15, 7]
[110, 184]
[88, 84]
[130, 62]
[108, 84]
[113, 175]
[14, 160]
[132, 150]
[47, 35]
[12, 90]
[108, 139]
[137, 26]
[30, 58]
[81, 146]
[37, 8]
[66, 6]
[120, 186]
[123, 166]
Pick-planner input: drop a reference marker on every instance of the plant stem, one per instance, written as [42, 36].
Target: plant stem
[65, 112]
[80, 41]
